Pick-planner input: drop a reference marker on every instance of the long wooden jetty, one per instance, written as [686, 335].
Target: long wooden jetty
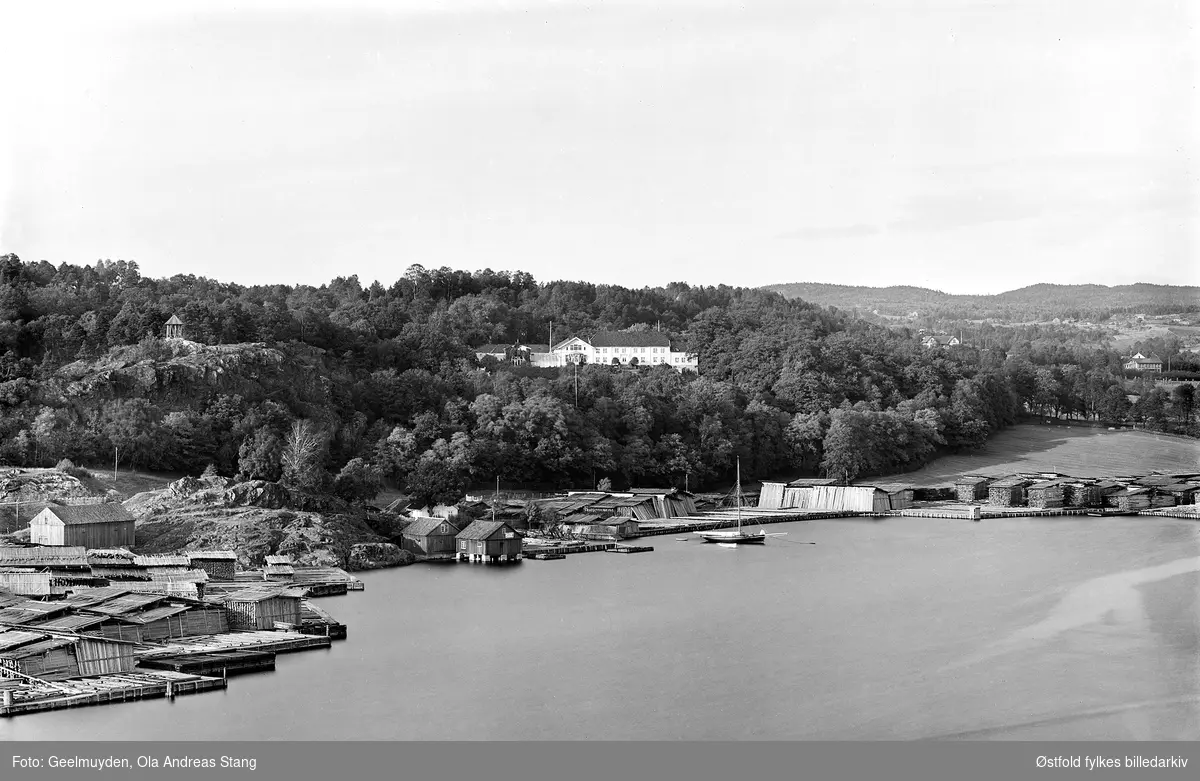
[589, 547]
[277, 642]
[222, 663]
[723, 519]
[31, 697]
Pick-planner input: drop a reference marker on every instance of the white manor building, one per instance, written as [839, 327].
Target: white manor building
[623, 348]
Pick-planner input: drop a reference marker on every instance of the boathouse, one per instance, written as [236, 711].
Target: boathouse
[1046, 494]
[489, 541]
[1009, 492]
[219, 564]
[971, 488]
[429, 536]
[258, 608]
[107, 525]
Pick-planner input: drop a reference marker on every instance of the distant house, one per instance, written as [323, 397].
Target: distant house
[529, 354]
[934, 341]
[174, 328]
[623, 348]
[1141, 363]
[107, 525]
[489, 541]
[429, 536]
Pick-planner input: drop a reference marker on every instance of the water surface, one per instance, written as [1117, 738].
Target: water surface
[1060, 628]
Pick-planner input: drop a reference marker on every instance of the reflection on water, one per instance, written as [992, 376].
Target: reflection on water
[896, 629]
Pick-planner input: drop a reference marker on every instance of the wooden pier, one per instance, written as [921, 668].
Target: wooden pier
[590, 547]
[221, 663]
[277, 642]
[32, 697]
[724, 519]
[630, 549]
[544, 555]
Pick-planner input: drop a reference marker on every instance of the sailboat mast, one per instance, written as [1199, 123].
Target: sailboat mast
[737, 487]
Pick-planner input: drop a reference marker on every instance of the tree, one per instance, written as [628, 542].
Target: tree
[1183, 401]
[357, 482]
[303, 453]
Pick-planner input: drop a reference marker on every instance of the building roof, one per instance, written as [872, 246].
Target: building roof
[161, 612]
[50, 556]
[94, 596]
[1011, 482]
[423, 527]
[109, 556]
[261, 594]
[174, 320]
[1044, 484]
[278, 559]
[126, 603]
[161, 561]
[483, 530]
[107, 512]
[492, 349]
[537, 348]
[211, 555]
[809, 482]
[629, 339]
[48, 643]
[972, 480]
[74, 623]
[16, 638]
[585, 519]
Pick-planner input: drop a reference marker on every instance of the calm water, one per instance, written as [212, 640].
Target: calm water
[903, 628]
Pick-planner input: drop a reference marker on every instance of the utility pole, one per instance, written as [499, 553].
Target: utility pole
[577, 386]
[114, 462]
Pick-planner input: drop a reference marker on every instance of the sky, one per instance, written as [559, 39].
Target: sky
[966, 146]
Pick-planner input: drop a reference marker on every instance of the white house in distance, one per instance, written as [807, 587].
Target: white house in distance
[1141, 363]
[623, 348]
[940, 341]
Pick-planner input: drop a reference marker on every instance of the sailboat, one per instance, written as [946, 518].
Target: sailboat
[737, 536]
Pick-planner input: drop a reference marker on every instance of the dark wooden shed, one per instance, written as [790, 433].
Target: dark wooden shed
[971, 488]
[106, 525]
[1009, 492]
[430, 535]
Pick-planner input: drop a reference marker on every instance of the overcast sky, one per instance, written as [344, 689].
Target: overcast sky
[962, 145]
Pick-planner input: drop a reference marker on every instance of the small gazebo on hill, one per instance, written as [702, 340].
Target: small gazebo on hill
[174, 328]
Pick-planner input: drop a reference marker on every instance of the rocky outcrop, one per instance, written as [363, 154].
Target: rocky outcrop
[378, 555]
[257, 518]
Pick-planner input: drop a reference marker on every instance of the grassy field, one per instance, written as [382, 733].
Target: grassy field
[1076, 451]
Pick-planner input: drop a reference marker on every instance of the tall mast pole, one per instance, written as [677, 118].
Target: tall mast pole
[737, 488]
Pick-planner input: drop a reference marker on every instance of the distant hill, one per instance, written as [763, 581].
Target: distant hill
[1089, 302]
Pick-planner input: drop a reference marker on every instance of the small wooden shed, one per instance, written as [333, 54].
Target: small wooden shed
[255, 609]
[429, 536]
[219, 564]
[971, 488]
[107, 525]
[174, 328]
[1009, 492]
[489, 541]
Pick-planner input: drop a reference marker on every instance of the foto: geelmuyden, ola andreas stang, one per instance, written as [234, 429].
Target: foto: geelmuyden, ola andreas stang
[99, 763]
[1097, 761]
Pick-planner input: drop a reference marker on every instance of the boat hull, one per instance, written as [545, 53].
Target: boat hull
[733, 538]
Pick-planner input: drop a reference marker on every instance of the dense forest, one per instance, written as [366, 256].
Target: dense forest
[1095, 303]
[340, 387]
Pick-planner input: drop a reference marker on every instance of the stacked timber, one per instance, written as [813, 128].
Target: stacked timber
[1130, 499]
[1047, 494]
[1080, 494]
[971, 488]
[1009, 492]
